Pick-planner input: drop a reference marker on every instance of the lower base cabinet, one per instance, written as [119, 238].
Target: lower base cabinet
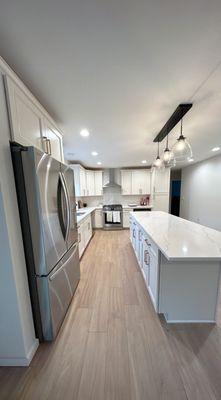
[84, 234]
[97, 219]
[148, 259]
[126, 218]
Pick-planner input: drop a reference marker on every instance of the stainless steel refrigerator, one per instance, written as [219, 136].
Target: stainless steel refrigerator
[46, 198]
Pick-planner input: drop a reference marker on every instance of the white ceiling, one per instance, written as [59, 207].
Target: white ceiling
[119, 68]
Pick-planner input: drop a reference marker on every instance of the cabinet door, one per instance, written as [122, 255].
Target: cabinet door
[98, 219]
[82, 175]
[90, 183]
[161, 202]
[98, 183]
[145, 261]
[126, 217]
[87, 230]
[81, 239]
[161, 180]
[52, 140]
[25, 117]
[126, 182]
[141, 182]
[153, 277]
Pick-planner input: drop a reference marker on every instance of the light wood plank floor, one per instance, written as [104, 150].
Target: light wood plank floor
[112, 345]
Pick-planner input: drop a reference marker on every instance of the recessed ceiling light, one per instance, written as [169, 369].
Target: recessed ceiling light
[94, 153]
[84, 133]
[144, 161]
[98, 163]
[216, 149]
[191, 159]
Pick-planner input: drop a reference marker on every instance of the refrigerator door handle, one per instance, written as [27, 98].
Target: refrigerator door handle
[67, 228]
[75, 246]
[67, 199]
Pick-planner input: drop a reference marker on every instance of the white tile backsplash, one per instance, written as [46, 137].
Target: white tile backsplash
[111, 197]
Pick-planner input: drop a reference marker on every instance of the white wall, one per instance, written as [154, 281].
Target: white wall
[17, 336]
[201, 193]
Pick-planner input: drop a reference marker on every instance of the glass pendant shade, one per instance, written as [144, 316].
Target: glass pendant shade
[182, 149]
[158, 163]
[168, 156]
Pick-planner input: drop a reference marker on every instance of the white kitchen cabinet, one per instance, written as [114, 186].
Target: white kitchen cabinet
[29, 124]
[153, 283]
[98, 183]
[161, 180]
[87, 230]
[79, 180]
[126, 182]
[140, 181]
[160, 189]
[84, 234]
[81, 239]
[161, 202]
[25, 117]
[98, 218]
[52, 140]
[148, 259]
[126, 218]
[136, 182]
[90, 183]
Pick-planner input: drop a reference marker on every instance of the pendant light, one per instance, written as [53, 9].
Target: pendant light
[182, 149]
[158, 163]
[168, 156]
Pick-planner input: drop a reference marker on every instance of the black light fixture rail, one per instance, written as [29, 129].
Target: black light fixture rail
[178, 114]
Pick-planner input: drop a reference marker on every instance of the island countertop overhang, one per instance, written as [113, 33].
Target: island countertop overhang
[179, 239]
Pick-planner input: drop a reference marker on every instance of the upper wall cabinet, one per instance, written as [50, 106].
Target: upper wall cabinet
[25, 117]
[141, 181]
[126, 182]
[52, 140]
[29, 125]
[161, 180]
[98, 183]
[90, 183]
[87, 182]
[135, 182]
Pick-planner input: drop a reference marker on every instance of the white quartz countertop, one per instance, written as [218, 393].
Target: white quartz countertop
[85, 211]
[178, 238]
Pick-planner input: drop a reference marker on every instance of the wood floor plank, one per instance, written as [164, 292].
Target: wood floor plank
[93, 374]
[117, 377]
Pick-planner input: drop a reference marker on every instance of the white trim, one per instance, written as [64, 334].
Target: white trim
[189, 321]
[20, 362]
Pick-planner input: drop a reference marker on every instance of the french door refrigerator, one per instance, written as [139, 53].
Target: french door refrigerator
[46, 198]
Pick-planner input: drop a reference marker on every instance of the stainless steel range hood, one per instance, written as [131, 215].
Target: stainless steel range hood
[110, 180]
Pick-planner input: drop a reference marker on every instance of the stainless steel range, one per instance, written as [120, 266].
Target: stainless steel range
[112, 217]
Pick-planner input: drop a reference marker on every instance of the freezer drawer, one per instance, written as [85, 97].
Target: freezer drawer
[56, 291]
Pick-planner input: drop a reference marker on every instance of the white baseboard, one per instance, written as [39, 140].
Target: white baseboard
[189, 321]
[20, 361]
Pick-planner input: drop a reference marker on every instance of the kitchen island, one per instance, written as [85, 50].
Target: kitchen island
[180, 262]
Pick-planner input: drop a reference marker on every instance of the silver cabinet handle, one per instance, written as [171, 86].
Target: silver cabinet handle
[79, 237]
[146, 254]
[47, 145]
[133, 233]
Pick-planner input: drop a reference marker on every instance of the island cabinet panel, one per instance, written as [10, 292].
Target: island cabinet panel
[188, 290]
